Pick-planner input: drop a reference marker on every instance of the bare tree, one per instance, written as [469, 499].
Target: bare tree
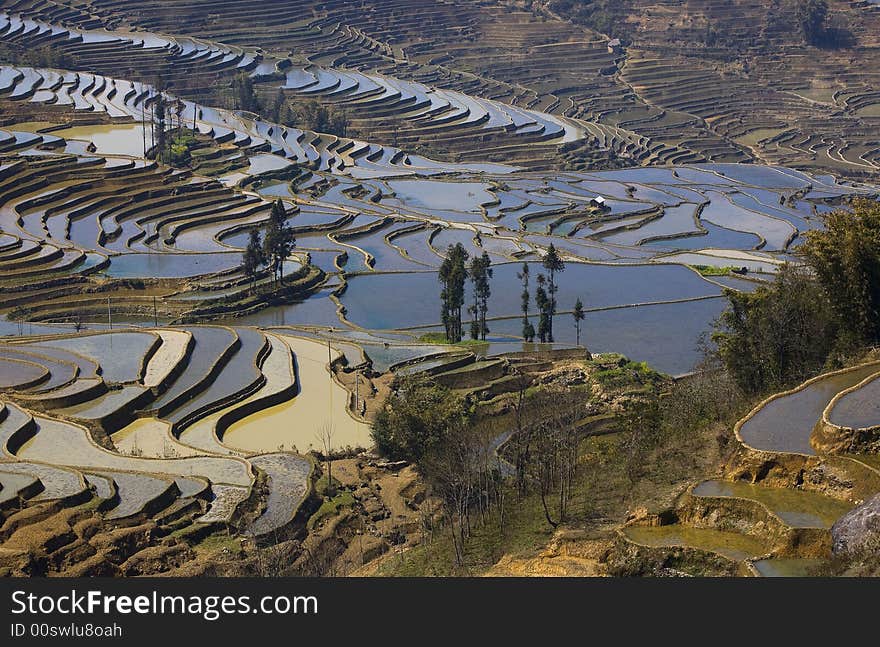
[325, 437]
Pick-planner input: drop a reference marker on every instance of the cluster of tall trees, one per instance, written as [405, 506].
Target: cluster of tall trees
[454, 448]
[817, 26]
[813, 315]
[321, 118]
[169, 141]
[480, 273]
[271, 250]
[545, 298]
[810, 16]
[454, 274]
[243, 94]
[604, 16]
[309, 115]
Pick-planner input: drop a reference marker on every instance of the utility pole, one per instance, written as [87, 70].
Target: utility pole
[155, 313]
[109, 315]
[144, 123]
[330, 377]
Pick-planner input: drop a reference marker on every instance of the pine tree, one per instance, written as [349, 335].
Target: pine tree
[453, 274]
[579, 316]
[527, 327]
[253, 257]
[160, 127]
[480, 273]
[552, 263]
[543, 302]
[279, 241]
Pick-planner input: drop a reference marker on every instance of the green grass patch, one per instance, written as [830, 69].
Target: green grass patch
[712, 270]
[331, 507]
[212, 543]
[440, 338]
[321, 486]
[628, 374]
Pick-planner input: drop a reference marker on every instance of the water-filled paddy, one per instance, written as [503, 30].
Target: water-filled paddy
[386, 356]
[797, 508]
[11, 484]
[110, 139]
[288, 482]
[57, 482]
[732, 545]
[675, 221]
[413, 299]
[209, 343]
[782, 567]
[665, 335]
[15, 372]
[170, 265]
[150, 438]
[237, 375]
[120, 355]
[785, 424]
[442, 196]
[59, 443]
[317, 310]
[296, 425]
[715, 236]
[858, 409]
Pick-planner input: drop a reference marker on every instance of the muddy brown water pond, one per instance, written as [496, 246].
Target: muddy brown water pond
[732, 545]
[797, 508]
[785, 567]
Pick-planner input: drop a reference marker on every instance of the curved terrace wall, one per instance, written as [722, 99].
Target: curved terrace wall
[834, 438]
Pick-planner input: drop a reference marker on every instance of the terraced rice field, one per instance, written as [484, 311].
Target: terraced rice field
[785, 424]
[859, 408]
[774, 513]
[138, 367]
[797, 509]
[298, 423]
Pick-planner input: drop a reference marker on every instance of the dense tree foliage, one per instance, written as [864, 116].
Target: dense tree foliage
[453, 274]
[279, 241]
[243, 94]
[810, 16]
[605, 16]
[480, 274]
[252, 258]
[845, 255]
[553, 264]
[312, 115]
[812, 315]
[528, 330]
[578, 315]
[778, 334]
[417, 418]
[543, 302]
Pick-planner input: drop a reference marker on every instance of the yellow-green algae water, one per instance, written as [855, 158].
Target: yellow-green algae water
[729, 544]
[797, 508]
